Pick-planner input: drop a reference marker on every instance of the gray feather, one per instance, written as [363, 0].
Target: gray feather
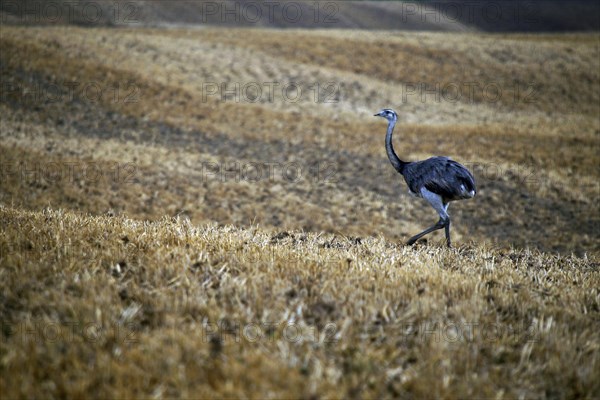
[442, 176]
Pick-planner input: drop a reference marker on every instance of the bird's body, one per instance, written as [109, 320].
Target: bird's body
[442, 176]
[439, 180]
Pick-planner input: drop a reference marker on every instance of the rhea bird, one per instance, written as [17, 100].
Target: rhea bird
[439, 180]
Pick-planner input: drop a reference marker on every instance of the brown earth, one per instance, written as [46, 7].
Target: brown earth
[152, 105]
[203, 213]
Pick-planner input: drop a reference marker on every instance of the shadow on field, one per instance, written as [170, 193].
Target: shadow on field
[504, 211]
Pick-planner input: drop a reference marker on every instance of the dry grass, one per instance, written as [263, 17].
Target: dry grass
[111, 307]
[534, 166]
[167, 245]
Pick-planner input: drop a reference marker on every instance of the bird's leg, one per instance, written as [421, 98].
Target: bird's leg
[441, 206]
[447, 226]
[439, 225]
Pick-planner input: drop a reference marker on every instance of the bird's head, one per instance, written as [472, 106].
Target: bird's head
[388, 114]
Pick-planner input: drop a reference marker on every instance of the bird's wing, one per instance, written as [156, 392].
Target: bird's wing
[443, 176]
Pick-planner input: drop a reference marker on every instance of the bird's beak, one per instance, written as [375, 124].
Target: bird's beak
[376, 115]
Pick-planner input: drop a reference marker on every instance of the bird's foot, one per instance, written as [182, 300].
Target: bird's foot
[412, 241]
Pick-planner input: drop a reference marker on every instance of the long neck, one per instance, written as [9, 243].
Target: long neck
[397, 163]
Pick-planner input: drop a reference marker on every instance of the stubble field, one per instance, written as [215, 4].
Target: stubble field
[209, 212]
